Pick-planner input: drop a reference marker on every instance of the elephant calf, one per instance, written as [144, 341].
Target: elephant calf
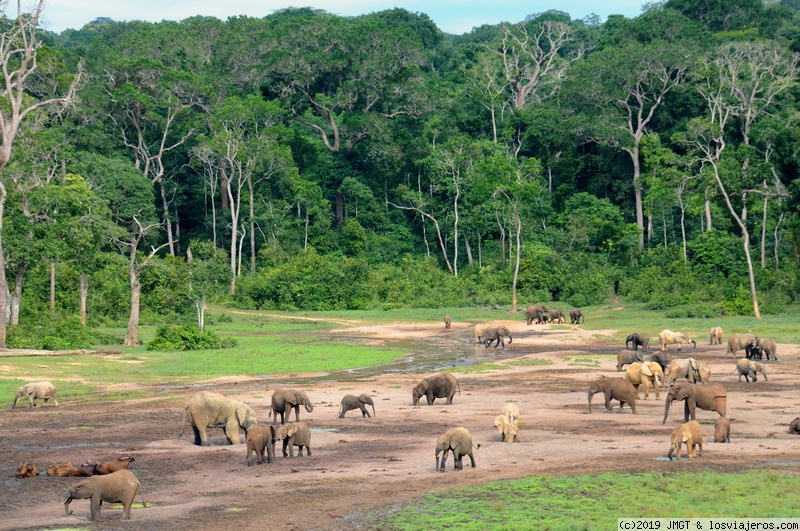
[794, 426]
[294, 434]
[722, 430]
[509, 429]
[118, 487]
[750, 369]
[259, 440]
[626, 357]
[459, 440]
[690, 433]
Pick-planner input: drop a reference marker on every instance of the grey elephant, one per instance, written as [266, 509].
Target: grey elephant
[637, 340]
[207, 409]
[737, 342]
[284, 400]
[768, 347]
[459, 441]
[712, 397]
[356, 402]
[626, 357]
[557, 316]
[722, 430]
[599, 386]
[663, 359]
[294, 434]
[261, 439]
[688, 368]
[690, 433]
[41, 390]
[439, 385]
[496, 334]
[447, 322]
[794, 426]
[118, 487]
[750, 369]
[622, 390]
[576, 316]
[538, 313]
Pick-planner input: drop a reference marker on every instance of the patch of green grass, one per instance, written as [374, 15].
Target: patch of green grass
[595, 502]
[529, 363]
[478, 367]
[586, 360]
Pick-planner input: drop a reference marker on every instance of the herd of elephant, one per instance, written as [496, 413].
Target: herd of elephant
[487, 334]
[711, 397]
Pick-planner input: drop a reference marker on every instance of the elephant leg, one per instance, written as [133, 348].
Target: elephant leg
[457, 458]
[94, 506]
[364, 412]
[444, 460]
[720, 405]
[198, 440]
[472, 457]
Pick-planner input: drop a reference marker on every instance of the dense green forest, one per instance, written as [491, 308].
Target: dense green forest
[307, 161]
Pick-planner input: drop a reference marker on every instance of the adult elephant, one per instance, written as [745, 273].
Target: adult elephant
[439, 385]
[459, 441]
[662, 358]
[768, 347]
[41, 390]
[284, 400]
[206, 410]
[356, 402]
[750, 369]
[712, 397]
[557, 316]
[539, 313]
[737, 342]
[668, 337]
[622, 390]
[626, 357]
[479, 332]
[688, 368]
[576, 316]
[645, 374]
[497, 334]
[715, 335]
[637, 340]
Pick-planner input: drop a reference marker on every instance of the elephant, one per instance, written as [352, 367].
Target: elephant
[459, 440]
[690, 433]
[510, 410]
[712, 397]
[599, 386]
[737, 342]
[626, 357]
[637, 340]
[794, 426]
[722, 430]
[261, 439]
[283, 400]
[509, 429]
[118, 487]
[439, 385]
[536, 312]
[212, 410]
[34, 390]
[688, 368]
[750, 369]
[356, 402]
[645, 374]
[447, 322]
[662, 358]
[497, 333]
[668, 337]
[622, 390]
[557, 316]
[294, 434]
[715, 336]
[768, 347]
[576, 316]
[479, 332]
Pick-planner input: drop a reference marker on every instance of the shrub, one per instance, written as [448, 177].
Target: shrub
[56, 334]
[187, 337]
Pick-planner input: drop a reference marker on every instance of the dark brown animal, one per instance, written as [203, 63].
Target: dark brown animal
[68, 470]
[26, 470]
[120, 463]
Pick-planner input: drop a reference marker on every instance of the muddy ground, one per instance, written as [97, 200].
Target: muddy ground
[363, 468]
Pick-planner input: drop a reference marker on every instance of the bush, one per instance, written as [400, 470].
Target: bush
[187, 337]
[56, 334]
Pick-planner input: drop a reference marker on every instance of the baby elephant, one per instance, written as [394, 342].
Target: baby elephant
[118, 487]
[42, 390]
[356, 402]
[260, 439]
[459, 440]
[750, 369]
[794, 426]
[722, 430]
[690, 433]
[294, 434]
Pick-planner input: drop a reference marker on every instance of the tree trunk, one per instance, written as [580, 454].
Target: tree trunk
[708, 211]
[84, 295]
[518, 226]
[252, 227]
[52, 287]
[167, 219]
[637, 193]
[764, 232]
[16, 297]
[132, 333]
[467, 249]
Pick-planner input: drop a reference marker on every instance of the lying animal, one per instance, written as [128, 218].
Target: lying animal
[26, 470]
[120, 463]
[67, 470]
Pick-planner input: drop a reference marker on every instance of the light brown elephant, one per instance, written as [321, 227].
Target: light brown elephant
[284, 400]
[689, 433]
[447, 322]
[768, 347]
[510, 410]
[645, 374]
[294, 434]
[356, 402]
[715, 335]
[622, 390]
[599, 386]
[509, 429]
[750, 369]
[737, 342]
[479, 332]
[207, 409]
[688, 368]
[41, 390]
[713, 397]
[459, 440]
[261, 439]
[439, 385]
[668, 337]
[722, 430]
[118, 487]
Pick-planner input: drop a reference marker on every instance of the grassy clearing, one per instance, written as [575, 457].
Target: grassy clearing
[595, 502]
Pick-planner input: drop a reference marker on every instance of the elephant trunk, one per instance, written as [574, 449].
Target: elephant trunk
[373, 409]
[510, 339]
[67, 501]
[666, 410]
[694, 344]
[671, 451]
[765, 376]
[309, 407]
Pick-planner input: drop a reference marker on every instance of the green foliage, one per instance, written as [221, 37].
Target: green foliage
[187, 337]
[63, 333]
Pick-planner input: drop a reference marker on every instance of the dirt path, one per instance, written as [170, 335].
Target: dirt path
[367, 467]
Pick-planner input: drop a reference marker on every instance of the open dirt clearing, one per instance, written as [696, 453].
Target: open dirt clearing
[367, 467]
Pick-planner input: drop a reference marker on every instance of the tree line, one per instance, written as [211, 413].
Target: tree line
[305, 160]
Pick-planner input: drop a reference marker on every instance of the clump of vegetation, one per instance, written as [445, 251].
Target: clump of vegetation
[187, 337]
[56, 334]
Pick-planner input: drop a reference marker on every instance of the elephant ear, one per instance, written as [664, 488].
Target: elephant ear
[364, 399]
[685, 436]
[292, 398]
[693, 364]
[291, 430]
[423, 385]
[244, 415]
[646, 369]
[500, 421]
